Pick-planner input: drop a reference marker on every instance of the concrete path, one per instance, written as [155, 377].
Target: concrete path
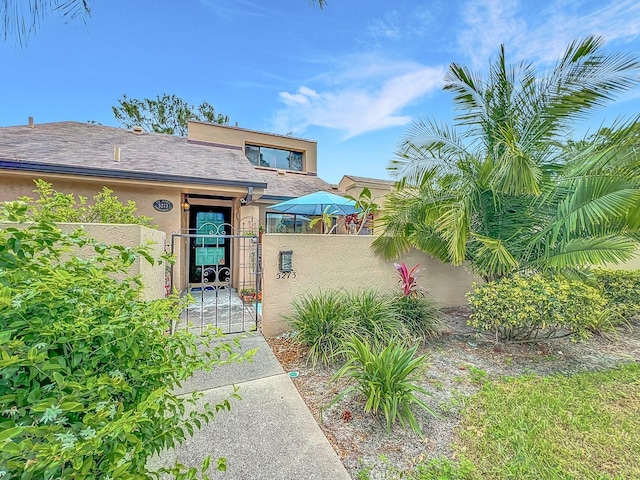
[269, 434]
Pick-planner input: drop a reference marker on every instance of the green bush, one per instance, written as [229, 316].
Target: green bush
[87, 368]
[621, 289]
[528, 307]
[323, 323]
[55, 206]
[420, 315]
[375, 317]
[386, 379]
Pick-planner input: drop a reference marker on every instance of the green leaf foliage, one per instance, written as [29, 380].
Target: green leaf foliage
[54, 206]
[164, 114]
[87, 369]
[419, 315]
[530, 307]
[503, 189]
[621, 289]
[322, 322]
[325, 321]
[386, 379]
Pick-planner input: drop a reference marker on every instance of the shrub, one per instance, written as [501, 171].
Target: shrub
[87, 368]
[529, 307]
[55, 206]
[621, 289]
[323, 323]
[420, 315]
[375, 317]
[387, 379]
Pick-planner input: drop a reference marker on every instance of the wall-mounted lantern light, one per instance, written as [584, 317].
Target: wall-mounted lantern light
[286, 261]
[185, 204]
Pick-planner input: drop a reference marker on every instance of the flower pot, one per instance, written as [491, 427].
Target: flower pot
[248, 297]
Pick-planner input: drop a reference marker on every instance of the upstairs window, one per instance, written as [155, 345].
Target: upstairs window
[274, 157]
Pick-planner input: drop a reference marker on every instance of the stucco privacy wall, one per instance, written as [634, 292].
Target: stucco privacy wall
[152, 276]
[323, 262]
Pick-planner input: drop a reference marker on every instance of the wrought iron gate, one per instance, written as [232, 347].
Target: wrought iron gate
[222, 273]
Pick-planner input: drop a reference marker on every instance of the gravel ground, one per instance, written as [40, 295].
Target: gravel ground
[460, 360]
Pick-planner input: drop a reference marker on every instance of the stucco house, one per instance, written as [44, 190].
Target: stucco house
[218, 174]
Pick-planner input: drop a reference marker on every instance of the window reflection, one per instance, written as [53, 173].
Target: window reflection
[274, 157]
[288, 223]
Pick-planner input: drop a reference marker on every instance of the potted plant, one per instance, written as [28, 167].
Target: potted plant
[248, 294]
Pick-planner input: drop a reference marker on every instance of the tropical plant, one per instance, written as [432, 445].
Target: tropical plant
[419, 315]
[501, 190]
[386, 379]
[408, 279]
[368, 208]
[325, 220]
[87, 368]
[374, 317]
[322, 322]
[54, 206]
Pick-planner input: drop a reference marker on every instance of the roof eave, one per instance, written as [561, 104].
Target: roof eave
[8, 164]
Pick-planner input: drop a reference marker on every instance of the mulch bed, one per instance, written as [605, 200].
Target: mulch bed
[362, 440]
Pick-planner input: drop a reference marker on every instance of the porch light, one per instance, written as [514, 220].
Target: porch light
[185, 204]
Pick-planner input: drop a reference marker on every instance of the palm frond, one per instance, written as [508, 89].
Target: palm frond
[611, 249]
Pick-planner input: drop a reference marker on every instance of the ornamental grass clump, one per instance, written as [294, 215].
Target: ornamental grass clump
[386, 379]
[420, 316]
[322, 322]
[375, 317]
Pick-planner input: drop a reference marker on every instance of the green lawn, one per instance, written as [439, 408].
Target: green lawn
[585, 426]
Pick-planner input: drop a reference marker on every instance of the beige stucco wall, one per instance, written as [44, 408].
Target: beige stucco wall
[18, 184]
[633, 264]
[152, 276]
[226, 135]
[324, 262]
[378, 191]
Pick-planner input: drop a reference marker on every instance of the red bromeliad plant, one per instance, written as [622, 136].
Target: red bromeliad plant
[408, 279]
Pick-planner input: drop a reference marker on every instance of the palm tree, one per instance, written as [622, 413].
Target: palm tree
[501, 189]
[20, 18]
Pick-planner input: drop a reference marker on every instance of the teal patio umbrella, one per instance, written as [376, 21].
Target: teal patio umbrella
[316, 204]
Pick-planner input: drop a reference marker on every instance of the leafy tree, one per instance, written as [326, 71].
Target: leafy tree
[164, 114]
[501, 190]
[87, 368]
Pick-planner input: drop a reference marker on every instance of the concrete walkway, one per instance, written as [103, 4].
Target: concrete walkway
[269, 434]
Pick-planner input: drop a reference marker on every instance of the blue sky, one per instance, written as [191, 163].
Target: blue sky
[352, 76]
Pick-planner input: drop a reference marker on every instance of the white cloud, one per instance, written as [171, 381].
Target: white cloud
[357, 103]
[531, 31]
[396, 25]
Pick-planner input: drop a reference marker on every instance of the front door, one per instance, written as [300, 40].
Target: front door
[210, 255]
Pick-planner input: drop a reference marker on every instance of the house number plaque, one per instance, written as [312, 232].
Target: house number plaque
[163, 205]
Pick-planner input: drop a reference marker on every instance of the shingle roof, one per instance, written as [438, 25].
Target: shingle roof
[89, 149]
[378, 181]
[292, 185]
